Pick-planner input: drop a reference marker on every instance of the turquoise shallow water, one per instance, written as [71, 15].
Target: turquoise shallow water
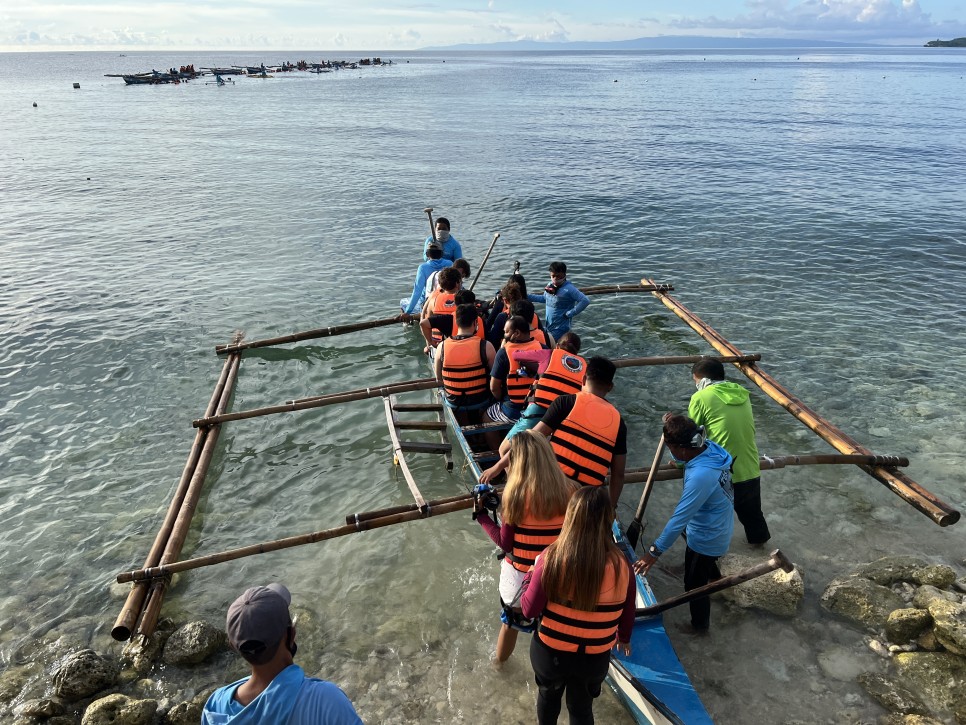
[805, 203]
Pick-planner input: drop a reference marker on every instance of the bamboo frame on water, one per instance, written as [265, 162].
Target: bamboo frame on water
[182, 524]
[399, 456]
[900, 484]
[134, 604]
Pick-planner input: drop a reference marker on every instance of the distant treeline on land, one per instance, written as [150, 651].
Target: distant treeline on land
[954, 43]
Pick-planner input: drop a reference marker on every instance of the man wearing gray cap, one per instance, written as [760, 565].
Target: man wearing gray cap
[278, 692]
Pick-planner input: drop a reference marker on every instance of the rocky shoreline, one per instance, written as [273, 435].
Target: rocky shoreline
[910, 612]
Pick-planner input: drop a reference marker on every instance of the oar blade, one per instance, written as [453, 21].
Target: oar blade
[634, 533]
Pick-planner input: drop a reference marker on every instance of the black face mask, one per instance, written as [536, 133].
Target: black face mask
[550, 289]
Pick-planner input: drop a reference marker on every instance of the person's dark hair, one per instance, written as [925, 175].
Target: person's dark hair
[708, 368]
[569, 341]
[679, 430]
[465, 297]
[523, 308]
[434, 251]
[443, 222]
[518, 279]
[601, 370]
[519, 324]
[463, 266]
[558, 268]
[466, 315]
[449, 279]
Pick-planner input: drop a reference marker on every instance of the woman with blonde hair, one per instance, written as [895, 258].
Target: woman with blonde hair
[532, 509]
[584, 590]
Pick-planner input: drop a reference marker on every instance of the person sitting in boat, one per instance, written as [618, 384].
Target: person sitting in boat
[438, 327]
[260, 629]
[432, 284]
[452, 250]
[532, 508]
[704, 512]
[562, 298]
[462, 365]
[441, 302]
[524, 308]
[582, 589]
[560, 371]
[724, 409]
[509, 379]
[436, 262]
[514, 289]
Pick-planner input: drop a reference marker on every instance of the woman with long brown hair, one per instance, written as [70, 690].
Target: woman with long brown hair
[532, 511]
[584, 590]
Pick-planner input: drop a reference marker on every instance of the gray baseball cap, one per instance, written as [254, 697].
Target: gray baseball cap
[257, 621]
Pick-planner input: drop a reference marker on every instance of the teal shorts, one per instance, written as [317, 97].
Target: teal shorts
[528, 420]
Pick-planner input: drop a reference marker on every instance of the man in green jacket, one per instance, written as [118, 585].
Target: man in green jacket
[724, 409]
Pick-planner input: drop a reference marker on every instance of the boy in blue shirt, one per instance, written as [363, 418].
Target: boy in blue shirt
[563, 300]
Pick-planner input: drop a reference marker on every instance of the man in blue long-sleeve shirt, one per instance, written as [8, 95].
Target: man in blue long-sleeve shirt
[705, 511]
[563, 300]
[452, 249]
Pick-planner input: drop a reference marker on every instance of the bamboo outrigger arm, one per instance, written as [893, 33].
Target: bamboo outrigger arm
[900, 484]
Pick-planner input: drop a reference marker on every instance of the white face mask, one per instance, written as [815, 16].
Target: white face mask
[442, 235]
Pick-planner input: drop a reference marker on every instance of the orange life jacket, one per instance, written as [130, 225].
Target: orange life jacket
[584, 442]
[518, 380]
[575, 630]
[444, 304]
[540, 336]
[530, 537]
[564, 376]
[465, 377]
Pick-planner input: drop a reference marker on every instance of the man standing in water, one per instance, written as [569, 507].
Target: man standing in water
[563, 300]
[724, 409]
[452, 250]
[704, 512]
[278, 692]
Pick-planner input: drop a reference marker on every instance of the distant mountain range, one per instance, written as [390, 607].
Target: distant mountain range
[662, 42]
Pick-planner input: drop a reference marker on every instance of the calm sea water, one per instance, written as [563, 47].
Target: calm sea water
[808, 204]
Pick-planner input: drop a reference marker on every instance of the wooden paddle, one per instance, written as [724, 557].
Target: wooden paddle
[777, 561]
[483, 263]
[634, 530]
[432, 226]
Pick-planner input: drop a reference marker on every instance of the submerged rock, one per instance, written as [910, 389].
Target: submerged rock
[193, 643]
[949, 625]
[909, 720]
[904, 625]
[42, 709]
[84, 673]
[939, 676]
[140, 653]
[891, 695]
[891, 569]
[188, 713]
[778, 592]
[928, 593]
[935, 575]
[861, 600]
[120, 710]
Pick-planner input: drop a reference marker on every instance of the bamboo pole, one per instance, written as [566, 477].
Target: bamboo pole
[433, 508]
[320, 401]
[308, 335]
[134, 604]
[400, 457]
[405, 508]
[900, 484]
[182, 524]
[777, 561]
[630, 362]
[606, 289]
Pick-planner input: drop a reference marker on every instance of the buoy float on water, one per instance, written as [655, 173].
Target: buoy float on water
[35, 104]
[77, 85]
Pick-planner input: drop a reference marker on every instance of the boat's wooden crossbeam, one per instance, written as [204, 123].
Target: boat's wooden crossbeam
[425, 447]
[443, 436]
[415, 407]
[478, 428]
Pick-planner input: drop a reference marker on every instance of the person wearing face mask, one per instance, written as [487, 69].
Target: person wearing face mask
[724, 409]
[452, 250]
[704, 511]
[563, 300]
[260, 628]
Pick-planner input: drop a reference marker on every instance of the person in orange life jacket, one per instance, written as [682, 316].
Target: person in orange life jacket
[443, 301]
[441, 325]
[436, 262]
[432, 284]
[587, 432]
[567, 376]
[705, 511]
[462, 363]
[515, 289]
[453, 278]
[525, 309]
[532, 508]
[509, 381]
[583, 588]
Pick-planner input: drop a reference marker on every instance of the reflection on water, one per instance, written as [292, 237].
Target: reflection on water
[802, 218]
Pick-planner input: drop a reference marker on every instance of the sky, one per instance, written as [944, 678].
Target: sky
[408, 25]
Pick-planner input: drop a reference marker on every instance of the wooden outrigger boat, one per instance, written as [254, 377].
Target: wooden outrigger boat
[651, 682]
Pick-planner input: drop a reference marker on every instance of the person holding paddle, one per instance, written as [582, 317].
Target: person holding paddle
[452, 249]
[704, 512]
